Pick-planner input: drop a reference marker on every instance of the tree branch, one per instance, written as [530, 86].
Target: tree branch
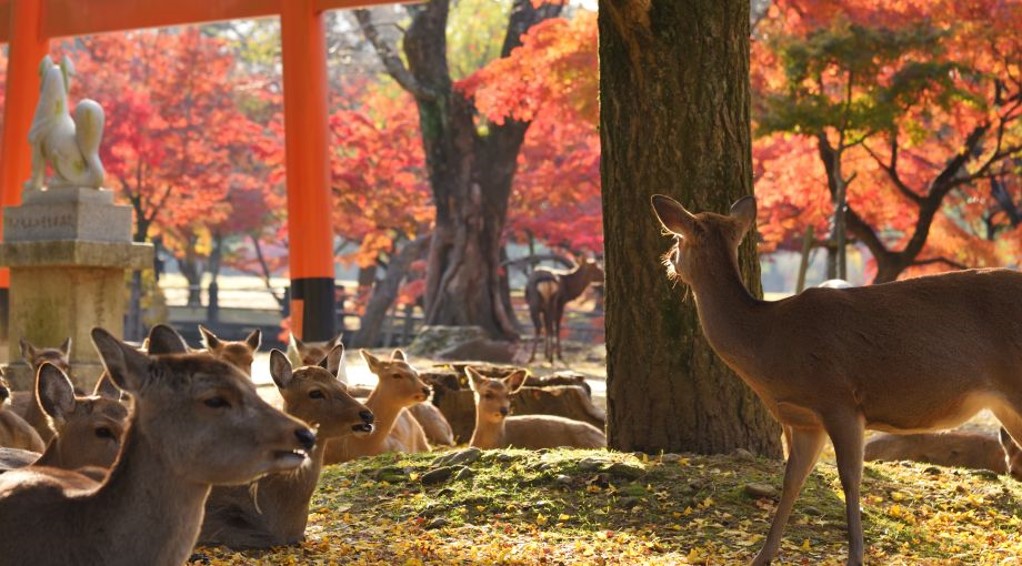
[391, 60]
[891, 170]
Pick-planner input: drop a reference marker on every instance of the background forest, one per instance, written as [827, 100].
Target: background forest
[907, 112]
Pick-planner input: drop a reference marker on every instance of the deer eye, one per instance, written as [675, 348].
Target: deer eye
[105, 433]
[316, 394]
[217, 402]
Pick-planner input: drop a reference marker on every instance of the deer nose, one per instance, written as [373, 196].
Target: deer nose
[367, 417]
[306, 438]
[503, 411]
[426, 391]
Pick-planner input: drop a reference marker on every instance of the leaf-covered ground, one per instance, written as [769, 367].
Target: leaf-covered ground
[599, 507]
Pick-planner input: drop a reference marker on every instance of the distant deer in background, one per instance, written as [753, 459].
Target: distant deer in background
[26, 403]
[237, 352]
[546, 292]
[310, 353]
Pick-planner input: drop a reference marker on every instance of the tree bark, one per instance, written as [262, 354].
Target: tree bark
[385, 293]
[470, 174]
[674, 88]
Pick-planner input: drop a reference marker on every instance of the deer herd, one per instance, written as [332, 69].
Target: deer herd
[176, 446]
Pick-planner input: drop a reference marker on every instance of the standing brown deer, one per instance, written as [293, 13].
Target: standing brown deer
[196, 421]
[546, 292]
[274, 510]
[916, 355]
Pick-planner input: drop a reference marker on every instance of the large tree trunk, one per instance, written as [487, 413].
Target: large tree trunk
[674, 84]
[470, 174]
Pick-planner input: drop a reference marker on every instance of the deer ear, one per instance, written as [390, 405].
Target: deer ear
[515, 380]
[254, 339]
[55, 392]
[371, 360]
[128, 367]
[209, 339]
[398, 355]
[475, 379]
[65, 346]
[334, 362]
[105, 387]
[163, 339]
[673, 216]
[744, 211]
[27, 350]
[280, 368]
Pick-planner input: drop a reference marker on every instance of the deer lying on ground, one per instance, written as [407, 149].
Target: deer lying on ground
[274, 510]
[908, 356]
[546, 292]
[25, 403]
[15, 432]
[87, 429]
[429, 417]
[399, 387]
[237, 352]
[196, 421]
[495, 429]
[954, 449]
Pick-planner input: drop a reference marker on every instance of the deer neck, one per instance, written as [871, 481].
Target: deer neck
[727, 311]
[488, 434]
[572, 284]
[153, 514]
[385, 410]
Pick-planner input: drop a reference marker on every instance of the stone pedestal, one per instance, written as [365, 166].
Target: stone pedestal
[67, 250]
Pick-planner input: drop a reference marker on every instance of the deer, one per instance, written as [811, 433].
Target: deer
[237, 352]
[274, 510]
[433, 422]
[495, 429]
[972, 450]
[910, 356]
[15, 432]
[399, 387]
[546, 292]
[87, 429]
[195, 422]
[310, 353]
[25, 403]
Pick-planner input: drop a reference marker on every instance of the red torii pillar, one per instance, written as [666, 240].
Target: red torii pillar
[310, 233]
[27, 47]
[29, 24]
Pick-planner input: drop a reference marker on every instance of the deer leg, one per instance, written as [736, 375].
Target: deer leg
[847, 436]
[558, 315]
[803, 451]
[537, 325]
[548, 325]
[1011, 421]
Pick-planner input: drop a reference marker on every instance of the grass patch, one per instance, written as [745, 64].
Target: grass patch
[599, 507]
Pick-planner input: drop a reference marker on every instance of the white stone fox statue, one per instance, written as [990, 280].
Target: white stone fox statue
[70, 145]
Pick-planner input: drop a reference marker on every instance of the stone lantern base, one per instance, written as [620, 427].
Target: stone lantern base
[68, 251]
